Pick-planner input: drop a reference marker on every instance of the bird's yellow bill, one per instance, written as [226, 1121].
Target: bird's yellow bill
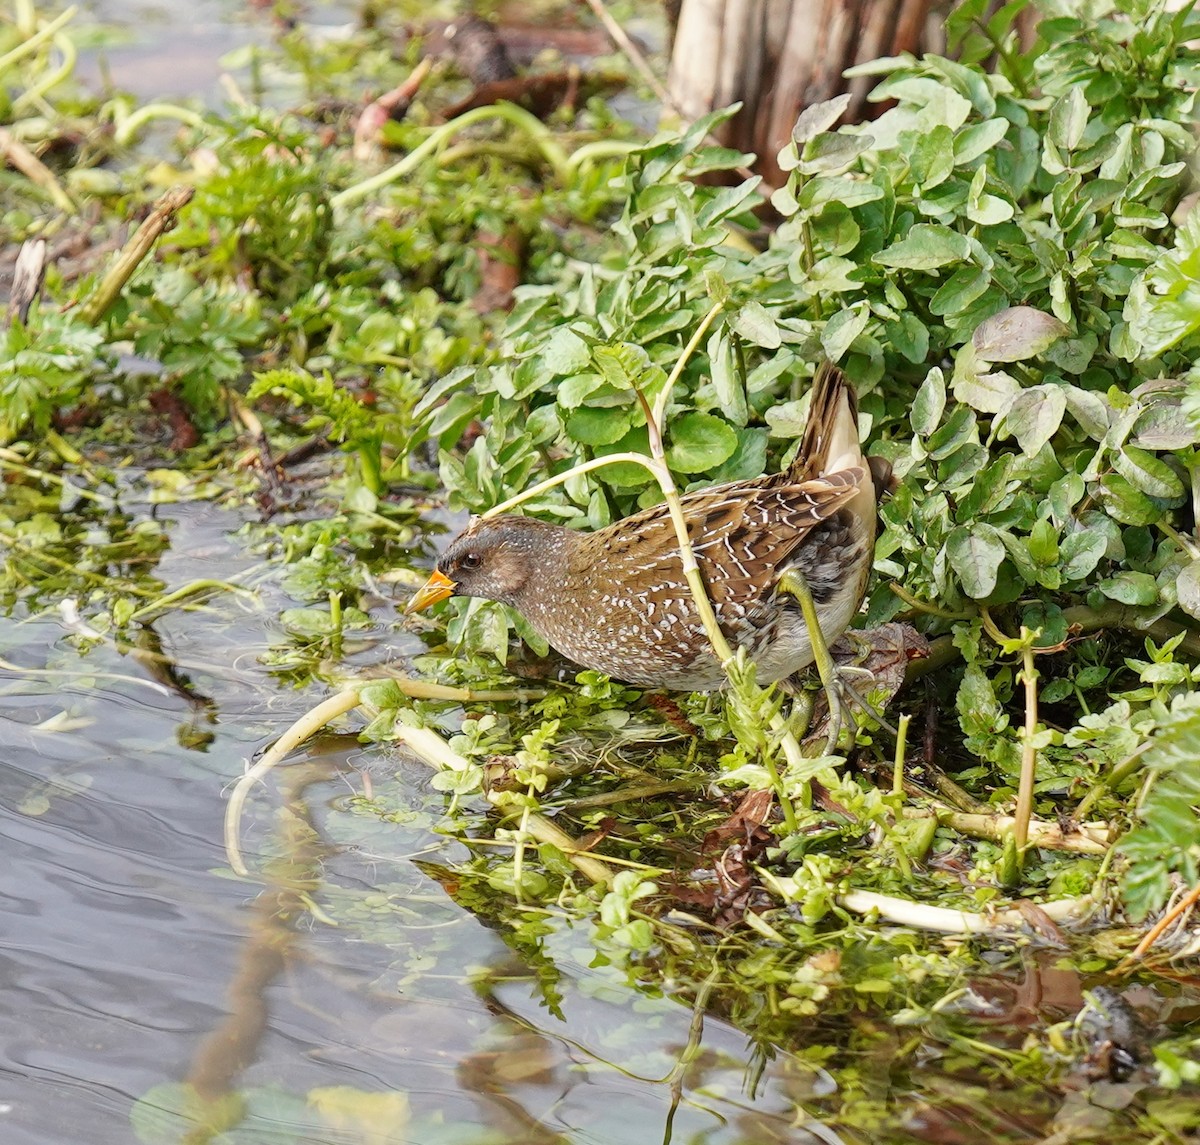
[437, 587]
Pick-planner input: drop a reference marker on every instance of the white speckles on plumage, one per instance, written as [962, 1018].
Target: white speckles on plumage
[617, 600]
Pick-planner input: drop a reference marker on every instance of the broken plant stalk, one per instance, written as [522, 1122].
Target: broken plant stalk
[160, 220]
[1024, 811]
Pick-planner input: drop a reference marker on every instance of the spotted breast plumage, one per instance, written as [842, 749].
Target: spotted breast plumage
[617, 599]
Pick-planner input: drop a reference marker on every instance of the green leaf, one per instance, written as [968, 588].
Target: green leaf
[841, 330]
[749, 459]
[911, 337]
[1150, 474]
[1043, 544]
[1135, 588]
[1125, 503]
[597, 426]
[929, 404]
[958, 291]
[700, 441]
[565, 353]
[755, 323]
[726, 201]
[1035, 415]
[984, 209]
[1017, 333]
[932, 157]
[628, 474]
[1187, 589]
[1049, 619]
[976, 553]
[622, 365]
[844, 189]
[1068, 119]
[572, 392]
[726, 378]
[977, 139]
[1163, 304]
[925, 247]
[819, 117]
[830, 152]
[1080, 553]
[987, 393]
[959, 429]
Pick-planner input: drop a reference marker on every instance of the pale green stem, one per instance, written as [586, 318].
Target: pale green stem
[1024, 809]
[163, 603]
[898, 763]
[793, 581]
[128, 127]
[28, 47]
[63, 72]
[660, 403]
[562, 478]
[600, 150]
[926, 607]
[515, 115]
[1185, 543]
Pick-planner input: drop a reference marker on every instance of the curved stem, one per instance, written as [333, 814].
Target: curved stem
[563, 478]
[660, 402]
[926, 607]
[28, 47]
[308, 724]
[70, 56]
[515, 115]
[128, 127]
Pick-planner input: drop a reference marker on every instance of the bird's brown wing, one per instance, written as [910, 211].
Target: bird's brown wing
[743, 535]
[744, 543]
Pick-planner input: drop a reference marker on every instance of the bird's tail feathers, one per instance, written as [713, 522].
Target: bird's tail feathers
[830, 441]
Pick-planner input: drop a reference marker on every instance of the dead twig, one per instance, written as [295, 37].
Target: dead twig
[160, 220]
[14, 152]
[28, 273]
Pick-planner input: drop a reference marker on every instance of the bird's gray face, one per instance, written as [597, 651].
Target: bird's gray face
[488, 561]
[493, 559]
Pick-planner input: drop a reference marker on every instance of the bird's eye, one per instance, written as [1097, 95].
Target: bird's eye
[470, 560]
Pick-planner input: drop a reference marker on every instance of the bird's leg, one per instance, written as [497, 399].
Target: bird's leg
[792, 581]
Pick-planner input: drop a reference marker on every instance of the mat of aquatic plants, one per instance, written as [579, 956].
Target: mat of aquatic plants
[262, 358]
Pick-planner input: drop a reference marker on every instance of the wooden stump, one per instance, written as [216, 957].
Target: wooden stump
[778, 56]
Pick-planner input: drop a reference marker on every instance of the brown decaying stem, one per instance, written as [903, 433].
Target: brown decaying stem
[25, 161]
[621, 38]
[160, 220]
[1081, 620]
[1085, 839]
[1159, 928]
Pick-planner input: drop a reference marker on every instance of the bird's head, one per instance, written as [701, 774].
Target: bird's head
[493, 558]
